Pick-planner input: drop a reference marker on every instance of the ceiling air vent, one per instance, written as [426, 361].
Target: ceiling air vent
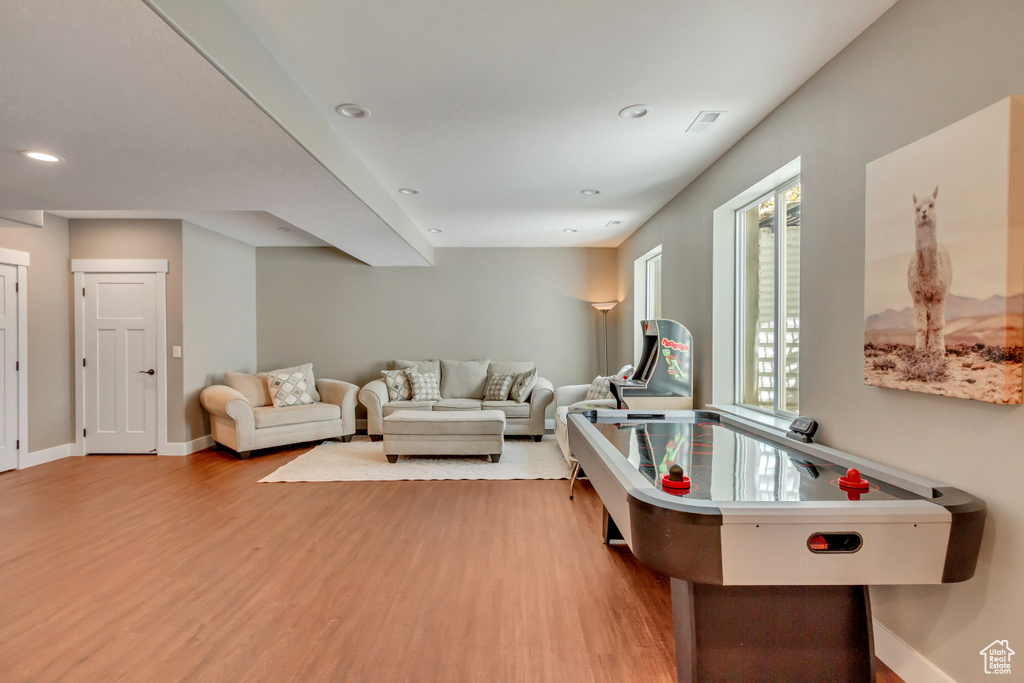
[704, 121]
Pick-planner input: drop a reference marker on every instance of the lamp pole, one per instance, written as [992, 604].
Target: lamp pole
[604, 324]
[604, 307]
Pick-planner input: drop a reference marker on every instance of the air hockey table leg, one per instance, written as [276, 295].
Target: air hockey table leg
[772, 633]
[611, 533]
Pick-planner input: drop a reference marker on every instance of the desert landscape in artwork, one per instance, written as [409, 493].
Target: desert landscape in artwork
[944, 261]
[979, 362]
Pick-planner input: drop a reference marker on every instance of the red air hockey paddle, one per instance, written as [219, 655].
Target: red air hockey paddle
[675, 481]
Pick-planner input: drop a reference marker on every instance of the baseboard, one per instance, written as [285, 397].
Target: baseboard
[908, 663]
[189, 447]
[46, 455]
[549, 425]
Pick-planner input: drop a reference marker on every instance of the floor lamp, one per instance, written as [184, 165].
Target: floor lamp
[604, 307]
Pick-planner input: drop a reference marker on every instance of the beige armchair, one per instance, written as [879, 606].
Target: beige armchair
[242, 427]
[566, 398]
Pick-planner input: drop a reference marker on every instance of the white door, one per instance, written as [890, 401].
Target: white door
[8, 365]
[119, 324]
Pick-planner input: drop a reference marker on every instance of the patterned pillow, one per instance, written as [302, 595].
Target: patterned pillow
[426, 386]
[498, 386]
[522, 385]
[398, 385]
[306, 370]
[288, 389]
[599, 388]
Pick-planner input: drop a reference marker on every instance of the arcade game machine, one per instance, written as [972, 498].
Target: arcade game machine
[663, 379]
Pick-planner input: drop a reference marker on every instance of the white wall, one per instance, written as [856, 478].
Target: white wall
[348, 319]
[51, 388]
[922, 66]
[219, 315]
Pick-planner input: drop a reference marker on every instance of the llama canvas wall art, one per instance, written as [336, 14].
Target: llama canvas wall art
[944, 260]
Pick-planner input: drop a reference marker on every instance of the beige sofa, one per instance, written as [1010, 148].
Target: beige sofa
[243, 427]
[462, 388]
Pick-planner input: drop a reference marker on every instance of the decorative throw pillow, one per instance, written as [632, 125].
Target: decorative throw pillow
[398, 385]
[498, 386]
[307, 372]
[599, 388]
[426, 386]
[522, 385]
[288, 389]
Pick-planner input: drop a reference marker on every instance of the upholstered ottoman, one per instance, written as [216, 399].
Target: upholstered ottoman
[464, 432]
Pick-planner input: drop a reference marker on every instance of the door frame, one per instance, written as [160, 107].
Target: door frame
[21, 260]
[80, 268]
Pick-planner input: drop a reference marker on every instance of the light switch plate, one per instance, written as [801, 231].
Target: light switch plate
[176, 351]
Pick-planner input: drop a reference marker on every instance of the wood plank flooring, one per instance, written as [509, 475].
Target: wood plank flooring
[146, 568]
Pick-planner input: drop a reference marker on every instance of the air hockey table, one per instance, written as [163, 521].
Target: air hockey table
[769, 553]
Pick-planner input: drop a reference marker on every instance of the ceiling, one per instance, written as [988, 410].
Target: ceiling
[499, 113]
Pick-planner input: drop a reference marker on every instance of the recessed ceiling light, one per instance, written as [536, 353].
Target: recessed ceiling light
[408, 190]
[435, 230]
[635, 111]
[612, 224]
[590, 193]
[41, 156]
[353, 111]
[569, 230]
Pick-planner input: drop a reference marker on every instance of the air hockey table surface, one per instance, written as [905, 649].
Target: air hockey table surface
[769, 557]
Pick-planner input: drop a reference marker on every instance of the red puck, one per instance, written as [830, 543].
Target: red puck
[673, 486]
[853, 482]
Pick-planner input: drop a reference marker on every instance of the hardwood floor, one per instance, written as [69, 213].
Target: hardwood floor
[167, 569]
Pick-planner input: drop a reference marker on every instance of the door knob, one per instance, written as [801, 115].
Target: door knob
[147, 372]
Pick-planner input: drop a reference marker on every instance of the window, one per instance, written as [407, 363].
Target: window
[647, 293]
[653, 291]
[768, 301]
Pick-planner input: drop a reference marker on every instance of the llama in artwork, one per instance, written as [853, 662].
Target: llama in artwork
[928, 277]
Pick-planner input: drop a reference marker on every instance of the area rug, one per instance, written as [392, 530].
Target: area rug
[365, 461]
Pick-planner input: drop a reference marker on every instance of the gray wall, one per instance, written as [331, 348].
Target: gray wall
[922, 66]
[219, 325]
[143, 239]
[51, 394]
[504, 304]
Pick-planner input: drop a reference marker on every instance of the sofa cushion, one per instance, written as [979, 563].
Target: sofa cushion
[269, 416]
[523, 385]
[458, 404]
[397, 384]
[252, 387]
[288, 389]
[392, 406]
[420, 365]
[424, 385]
[498, 386]
[510, 408]
[463, 378]
[514, 367]
[596, 404]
